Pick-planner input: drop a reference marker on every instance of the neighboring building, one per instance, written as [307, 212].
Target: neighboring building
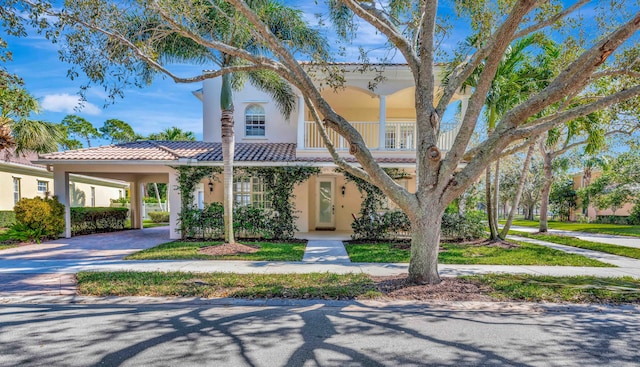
[19, 178]
[385, 118]
[580, 181]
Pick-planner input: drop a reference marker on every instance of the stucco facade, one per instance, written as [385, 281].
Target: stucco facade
[27, 181]
[384, 115]
[592, 212]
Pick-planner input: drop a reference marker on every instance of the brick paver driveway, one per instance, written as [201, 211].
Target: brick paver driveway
[31, 269]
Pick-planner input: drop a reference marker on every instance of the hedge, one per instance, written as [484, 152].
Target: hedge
[159, 217]
[97, 220]
[7, 218]
[248, 222]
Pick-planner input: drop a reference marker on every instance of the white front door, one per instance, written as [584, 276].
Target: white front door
[325, 212]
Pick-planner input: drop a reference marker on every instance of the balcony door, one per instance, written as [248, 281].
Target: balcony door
[325, 206]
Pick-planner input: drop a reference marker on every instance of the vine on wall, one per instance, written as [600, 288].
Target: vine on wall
[188, 179]
[279, 183]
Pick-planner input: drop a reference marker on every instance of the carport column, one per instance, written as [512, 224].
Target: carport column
[175, 203]
[300, 123]
[382, 131]
[136, 205]
[61, 190]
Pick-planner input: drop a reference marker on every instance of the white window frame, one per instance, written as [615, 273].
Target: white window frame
[46, 186]
[17, 190]
[249, 190]
[255, 120]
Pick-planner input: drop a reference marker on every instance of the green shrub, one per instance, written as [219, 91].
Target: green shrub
[159, 217]
[97, 220]
[7, 218]
[463, 227]
[634, 216]
[612, 219]
[394, 224]
[248, 221]
[42, 218]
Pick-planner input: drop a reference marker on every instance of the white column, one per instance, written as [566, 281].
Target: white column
[175, 203]
[61, 190]
[301, 122]
[463, 107]
[136, 205]
[382, 126]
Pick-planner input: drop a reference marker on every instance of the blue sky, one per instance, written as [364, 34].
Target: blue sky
[151, 109]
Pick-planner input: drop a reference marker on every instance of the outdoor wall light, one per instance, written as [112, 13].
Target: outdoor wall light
[343, 189]
[210, 184]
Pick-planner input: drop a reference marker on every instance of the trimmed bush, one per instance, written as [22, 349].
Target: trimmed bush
[7, 218]
[159, 217]
[394, 224]
[97, 220]
[38, 218]
[612, 219]
[248, 221]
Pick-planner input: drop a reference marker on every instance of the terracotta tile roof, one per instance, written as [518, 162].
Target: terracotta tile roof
[353, 160]
[175, 150]
[25, 158]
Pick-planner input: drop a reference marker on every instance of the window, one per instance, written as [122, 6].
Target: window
[249, 190]
[43, 186]
[16, 190]
[254, 121]
[93, 196]
[399, 136]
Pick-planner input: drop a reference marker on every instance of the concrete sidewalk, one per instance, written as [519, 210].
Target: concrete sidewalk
[626, 241]
[49, 268]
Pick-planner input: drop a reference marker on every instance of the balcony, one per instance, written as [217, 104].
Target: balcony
[398, 136]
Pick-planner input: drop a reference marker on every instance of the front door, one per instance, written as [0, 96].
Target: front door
[325, 212]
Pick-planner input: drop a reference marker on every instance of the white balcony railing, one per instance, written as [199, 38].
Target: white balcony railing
[397, 136]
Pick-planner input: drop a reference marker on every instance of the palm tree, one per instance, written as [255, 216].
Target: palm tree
[20, 132]
[223, 23]
[515, 79]
[173, 133]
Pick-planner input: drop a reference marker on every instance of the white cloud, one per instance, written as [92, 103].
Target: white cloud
[68, 103]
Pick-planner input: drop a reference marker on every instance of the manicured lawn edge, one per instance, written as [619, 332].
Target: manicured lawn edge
[188, 250]
[631, 252]
[328, 286]
[612, 229]
[7, 246]
[526, 254]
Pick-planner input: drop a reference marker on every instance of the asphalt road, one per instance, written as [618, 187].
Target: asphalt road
[128, 332]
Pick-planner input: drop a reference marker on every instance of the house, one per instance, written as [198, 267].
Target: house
[579, 181]
[385, 116]
[20, 178]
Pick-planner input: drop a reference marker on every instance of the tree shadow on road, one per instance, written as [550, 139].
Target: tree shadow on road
[314, 334]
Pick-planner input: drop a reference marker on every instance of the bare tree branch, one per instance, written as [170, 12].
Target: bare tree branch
[540, 25]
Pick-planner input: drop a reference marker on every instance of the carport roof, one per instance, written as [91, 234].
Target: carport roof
[193, 151]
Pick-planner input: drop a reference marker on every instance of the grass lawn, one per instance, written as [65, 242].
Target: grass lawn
[150, 224]
[499, 287]
[576, 242]
[189, 251]
[582, 289]
[215, 285]
[615, 229]
[526, 254]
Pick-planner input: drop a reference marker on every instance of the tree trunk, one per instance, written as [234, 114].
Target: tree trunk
[155, 186]
[496, 194]
[493, 228]
[546, 190]
[425, 242]
[462, 204]
[530, 212]
[228, 148]
[516, 199]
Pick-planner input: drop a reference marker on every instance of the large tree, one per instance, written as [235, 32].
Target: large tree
[76, 130]
[411, 29]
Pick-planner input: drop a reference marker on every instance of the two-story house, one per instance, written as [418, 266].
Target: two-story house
[384, 115]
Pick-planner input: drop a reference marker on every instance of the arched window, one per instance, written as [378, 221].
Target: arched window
[254, 121]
